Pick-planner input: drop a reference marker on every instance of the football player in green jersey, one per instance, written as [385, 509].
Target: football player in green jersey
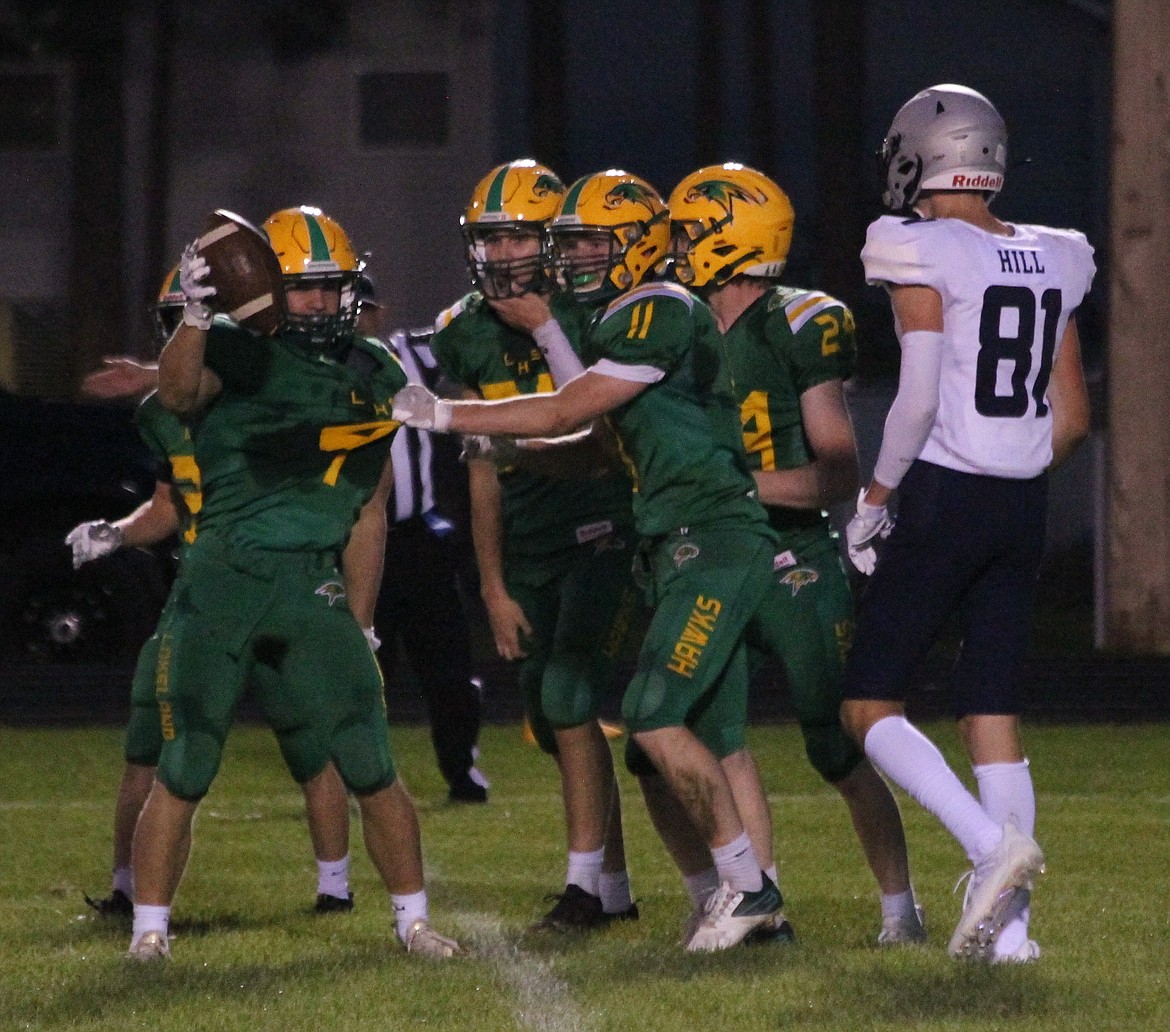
[654, 350]
[292, 437]
[554, 553]
[786, 353]
[172, 510]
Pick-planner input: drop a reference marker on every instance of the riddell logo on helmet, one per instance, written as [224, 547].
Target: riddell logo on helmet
[986, 181]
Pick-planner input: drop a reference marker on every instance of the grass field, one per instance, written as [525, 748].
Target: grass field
[249, 956]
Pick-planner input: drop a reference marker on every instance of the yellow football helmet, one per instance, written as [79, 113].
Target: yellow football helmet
[515, 199]
[728, 220]
[168, 309]
[313, 250]
[611, 233]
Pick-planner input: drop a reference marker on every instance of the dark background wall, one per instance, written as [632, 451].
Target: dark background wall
[123, 123]
[160, 112]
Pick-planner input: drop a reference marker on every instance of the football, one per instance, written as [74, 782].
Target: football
[244, 271]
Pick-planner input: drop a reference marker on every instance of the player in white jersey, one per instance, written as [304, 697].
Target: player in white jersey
[991, 393]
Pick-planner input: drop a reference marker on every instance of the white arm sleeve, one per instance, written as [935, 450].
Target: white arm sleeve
[563, 363]
[912, 414]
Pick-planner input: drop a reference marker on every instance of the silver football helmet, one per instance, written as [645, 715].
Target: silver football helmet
[947, 137]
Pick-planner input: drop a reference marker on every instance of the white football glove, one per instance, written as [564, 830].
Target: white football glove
[415, 406]
[870, 522]
[93, 540]
[193, 270]
[372, 638]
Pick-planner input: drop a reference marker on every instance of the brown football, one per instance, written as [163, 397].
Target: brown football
[244, 271]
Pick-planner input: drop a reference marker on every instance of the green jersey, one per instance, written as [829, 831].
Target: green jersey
[680, 436]
[787, 342]
[169, 438]
[294, 445]
[541, 514]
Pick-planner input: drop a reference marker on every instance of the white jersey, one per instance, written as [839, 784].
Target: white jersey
[1006, 303]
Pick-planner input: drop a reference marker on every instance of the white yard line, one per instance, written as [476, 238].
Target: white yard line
[542, 1001]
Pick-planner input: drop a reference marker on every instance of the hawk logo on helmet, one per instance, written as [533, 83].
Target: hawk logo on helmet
[630, 193]
[724, 193]
[797, 579]
[331, 590]
[547, 183]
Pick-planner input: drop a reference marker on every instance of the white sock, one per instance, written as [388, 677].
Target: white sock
[333, 877]
[407, 910]
[585, 870]
[772, 873]
[1006, 791]
[900, 905]
[737, 864]
[913, 762]
[150, 919]
[614, 890]
[701, 886]
[124, 881]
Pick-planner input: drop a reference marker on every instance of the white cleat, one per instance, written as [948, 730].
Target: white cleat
[1027, 953]
[730, 916]
[991, 891]
[905, 930]
[423, 941]
[149, 948]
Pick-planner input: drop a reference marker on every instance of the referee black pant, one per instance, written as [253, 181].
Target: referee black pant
[420, 617]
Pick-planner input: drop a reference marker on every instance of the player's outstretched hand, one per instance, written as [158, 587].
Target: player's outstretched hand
[415, 406]
[120, 377]
[93, 540]
[193, 270]
[868, 524]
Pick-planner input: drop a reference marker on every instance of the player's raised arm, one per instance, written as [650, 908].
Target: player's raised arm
[185, 385]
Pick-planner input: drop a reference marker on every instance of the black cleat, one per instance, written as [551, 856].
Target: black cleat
[629, 914]
[327, 904]
[575, 910]
[778, 929]
[116, 904]
[465, 790]
[579, 911]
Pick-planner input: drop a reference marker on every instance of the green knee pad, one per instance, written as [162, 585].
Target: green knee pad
[361, 751]
[833, 754]
[144, 732]
[568, 698]
[143, 736]
[188, 764]
[531, 676]
[304, 753]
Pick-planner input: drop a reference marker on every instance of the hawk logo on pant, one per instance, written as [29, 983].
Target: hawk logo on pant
[797, 579]
[684, 553]
[332, 590]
